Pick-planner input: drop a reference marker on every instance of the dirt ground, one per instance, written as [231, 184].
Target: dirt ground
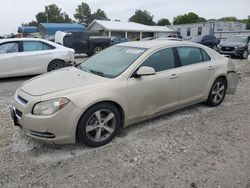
[194, 147]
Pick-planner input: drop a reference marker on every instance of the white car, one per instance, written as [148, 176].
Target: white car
[120, 86]
[30, 56]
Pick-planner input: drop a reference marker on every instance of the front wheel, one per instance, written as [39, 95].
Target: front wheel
[217, 93]
[245, 54]
[99, 125]
[97, 49]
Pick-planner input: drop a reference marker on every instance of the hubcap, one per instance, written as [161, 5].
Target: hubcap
[101, 125]
[56, 66]
[218, 92]
[98, 50]
[245, 54]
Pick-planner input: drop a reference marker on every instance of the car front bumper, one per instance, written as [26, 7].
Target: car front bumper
[235, 52]
[58, 128]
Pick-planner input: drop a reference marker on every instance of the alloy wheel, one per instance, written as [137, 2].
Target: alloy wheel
[101, 125]
[218, 92]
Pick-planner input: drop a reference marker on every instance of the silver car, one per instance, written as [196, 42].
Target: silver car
[122, 85]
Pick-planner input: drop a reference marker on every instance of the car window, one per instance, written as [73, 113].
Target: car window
[206, 57]
[161, 60]
[189, 55]
[9, 47]
[29, 46]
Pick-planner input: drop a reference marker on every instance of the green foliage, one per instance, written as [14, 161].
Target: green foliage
[188, 18]
[142, 17]
[163, 22]
[32, 23]
[231, 19]
[83, 14]
[52, 14]
[248, 22]
[99, 15]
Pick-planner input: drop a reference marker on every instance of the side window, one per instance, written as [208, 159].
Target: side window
[30, 46]
[206, 57]
[189, 55]
[9, 47]
[161, 60]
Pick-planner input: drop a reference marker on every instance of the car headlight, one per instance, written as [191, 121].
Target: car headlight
[49, 107]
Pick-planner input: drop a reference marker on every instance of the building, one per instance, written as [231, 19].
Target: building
[47, 30]
[129, 30]
[208, 28]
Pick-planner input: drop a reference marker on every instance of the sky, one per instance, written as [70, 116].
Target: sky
[15, 12]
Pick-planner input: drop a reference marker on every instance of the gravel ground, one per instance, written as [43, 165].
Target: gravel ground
[194, 147]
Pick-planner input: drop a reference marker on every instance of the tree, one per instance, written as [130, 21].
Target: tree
[231, 19]
[53, 14]
[188, 18]
[99, 15]
[83, 14]
[32, 23]
[248, 22]
[142, 17]
[163, 22]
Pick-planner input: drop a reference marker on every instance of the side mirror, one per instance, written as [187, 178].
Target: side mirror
[145, 71]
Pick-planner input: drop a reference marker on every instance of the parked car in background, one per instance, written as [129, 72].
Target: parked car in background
[207, 40]
[81, 41]
[30, 56]
[117, 40]
[122, 85]
[237, 45]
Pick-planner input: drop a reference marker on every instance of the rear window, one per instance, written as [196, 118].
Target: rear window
[9, 47]
[189, 55]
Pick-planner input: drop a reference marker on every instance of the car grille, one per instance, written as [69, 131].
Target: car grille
[19, 113]
[227, 48]
[22, 100]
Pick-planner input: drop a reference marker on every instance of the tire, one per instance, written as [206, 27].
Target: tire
[217, 93]
[97, 49]
[245, 54]
[93, 131]
[54, 65]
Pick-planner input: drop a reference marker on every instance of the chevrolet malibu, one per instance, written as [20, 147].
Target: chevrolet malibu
[122, 85]
[27, 56]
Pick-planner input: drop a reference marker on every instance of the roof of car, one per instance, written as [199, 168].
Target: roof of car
[155, 43]
[20, 39]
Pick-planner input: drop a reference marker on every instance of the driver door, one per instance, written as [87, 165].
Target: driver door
[148, 95]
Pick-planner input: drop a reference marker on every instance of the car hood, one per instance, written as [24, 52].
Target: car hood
[233, 44]
[58, 80]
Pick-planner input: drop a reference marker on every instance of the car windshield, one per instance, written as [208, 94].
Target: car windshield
[197, 39]
[112, 61]
[241, 39]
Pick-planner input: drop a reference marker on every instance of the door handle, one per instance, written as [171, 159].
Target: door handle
[210, 67]
[173, 76]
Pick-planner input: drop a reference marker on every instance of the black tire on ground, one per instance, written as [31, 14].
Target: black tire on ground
[217, 93]
[55, 64]
[93, 121]
[97, 49]
[245, 54]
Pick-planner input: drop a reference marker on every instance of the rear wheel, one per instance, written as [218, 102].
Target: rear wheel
[217, 93]
[54, 65]
[245, 54]
[99, 125]
[97, 49]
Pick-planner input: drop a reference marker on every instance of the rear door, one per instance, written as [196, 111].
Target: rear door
[36, 56]
[10, 64]
[197, 70]
[148, 95]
